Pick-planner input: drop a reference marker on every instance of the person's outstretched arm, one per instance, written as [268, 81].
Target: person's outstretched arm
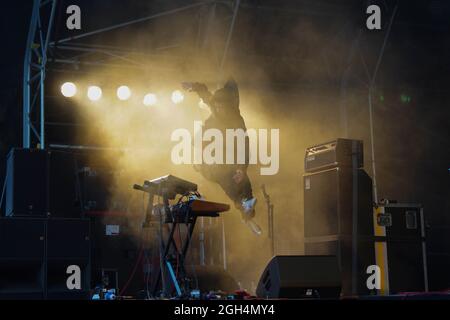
[201, 89]
[203, 93]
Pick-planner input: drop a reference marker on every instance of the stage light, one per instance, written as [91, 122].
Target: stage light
[94, 93]
[68, 89]
[177, 96]
[123, 93]
[150, 99]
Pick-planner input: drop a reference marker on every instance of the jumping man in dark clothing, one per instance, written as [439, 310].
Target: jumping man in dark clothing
[233, 178]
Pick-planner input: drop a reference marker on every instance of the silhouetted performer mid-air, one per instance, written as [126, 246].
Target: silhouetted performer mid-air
[233, 178]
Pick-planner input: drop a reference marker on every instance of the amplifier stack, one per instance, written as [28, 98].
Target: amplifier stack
[340, 219]
[338, 210]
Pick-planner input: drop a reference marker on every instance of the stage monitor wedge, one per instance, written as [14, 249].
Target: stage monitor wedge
[298, 277]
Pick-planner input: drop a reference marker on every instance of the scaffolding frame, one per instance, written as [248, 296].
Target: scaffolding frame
[34, 70]
[39, 46]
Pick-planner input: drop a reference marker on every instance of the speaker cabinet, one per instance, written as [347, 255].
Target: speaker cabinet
[27, 183]
[336, 200]
[95, 191]
[41, 183]
[62, 185]
[68, 239]
[35, 254]
[329, 202]
[300, 277]
[22, 263]
[68, 245]
[336, 153]
[114, 253]
[341, 246]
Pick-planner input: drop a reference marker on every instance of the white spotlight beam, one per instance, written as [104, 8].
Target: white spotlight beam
[123, 93]
[94, 93]
[68, 89]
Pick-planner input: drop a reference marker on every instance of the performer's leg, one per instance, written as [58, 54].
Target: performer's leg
[236, 184]
[242, 183]
[232, 183]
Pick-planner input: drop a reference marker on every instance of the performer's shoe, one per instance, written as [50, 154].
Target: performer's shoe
[247, 208]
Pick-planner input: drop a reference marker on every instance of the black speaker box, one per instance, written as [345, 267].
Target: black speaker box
[22, 237]
[63, 199]
[35, 254]
[27, 183]
[114, 252]
[328, 197]
[300, 277]
[95, 191]
[329, 200]
[22, 262]
[41, 183]
[336, 153]
[68, 239]
[341, 247]
[57, 280]
[68, 243]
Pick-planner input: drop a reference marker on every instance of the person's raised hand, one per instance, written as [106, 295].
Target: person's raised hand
[187, 86]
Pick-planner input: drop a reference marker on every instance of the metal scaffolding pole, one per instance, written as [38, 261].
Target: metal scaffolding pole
[371, 87]
[27, 76]
[344, 86]
[131, 22]
[230, 34]
[35, 61]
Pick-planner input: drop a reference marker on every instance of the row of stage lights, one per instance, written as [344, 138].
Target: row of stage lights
[94, 93]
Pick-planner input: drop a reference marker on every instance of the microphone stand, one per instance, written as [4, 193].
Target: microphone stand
[269, 206]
